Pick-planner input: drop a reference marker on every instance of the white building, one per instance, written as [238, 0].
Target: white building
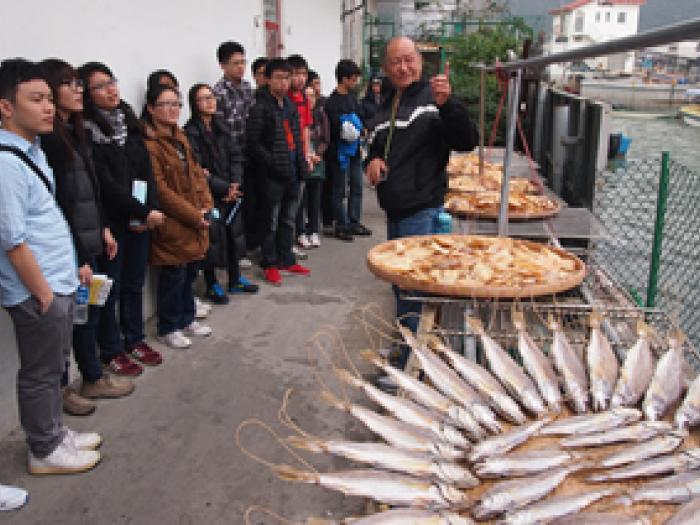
[585, 22]
[135, 37]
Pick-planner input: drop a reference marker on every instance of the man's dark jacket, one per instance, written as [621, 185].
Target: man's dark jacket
[267, 144]
[420, 148]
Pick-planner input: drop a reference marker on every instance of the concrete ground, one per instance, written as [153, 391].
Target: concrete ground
[170, 455]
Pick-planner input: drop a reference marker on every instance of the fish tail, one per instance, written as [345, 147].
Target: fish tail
[310, 445]
[333, 401]
[476, 325]
[287, 473]
[373, 357]
[595, 319]
[552, 322]
[676, 338]
[347, 378]
[518, 318]
[437, 345]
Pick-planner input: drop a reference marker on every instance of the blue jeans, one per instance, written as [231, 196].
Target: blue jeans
[136, 247]
[175, 297]
[341, 180]
[420, 223]
[109, 336]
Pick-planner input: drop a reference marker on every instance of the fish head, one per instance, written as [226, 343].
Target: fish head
[447, 451]
[518, 318]
[456, 498]
[456, 475]
[579, 402]
[454, 436]
[533, 402]
[599, 400]
[627, 414]
[452, 518]
[652, 410]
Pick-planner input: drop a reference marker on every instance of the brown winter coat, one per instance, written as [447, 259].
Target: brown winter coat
[182, 194]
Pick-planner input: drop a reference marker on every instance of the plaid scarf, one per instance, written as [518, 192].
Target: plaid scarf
[117, 121]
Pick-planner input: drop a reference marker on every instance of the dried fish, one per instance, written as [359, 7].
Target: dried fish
[677, 488]
[428, 396]
[382, 486]
[688, 414]
[648, 449]
[447, 381]
[407, 411]
[516, 493]
[556, 507]
[413, 517]
[569, 365]
[667, 383]
[511, 375]
[631, 434]
[601, 518]
[679, 462]
[589, 423]
[525, 463]
[397, 433]
[687, 514]
[636, 372]
[497, 445]
[602, 365]
[482, 381]
[391, 458]
[537, 365]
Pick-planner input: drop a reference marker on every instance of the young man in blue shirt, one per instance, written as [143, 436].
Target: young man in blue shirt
[38, 273]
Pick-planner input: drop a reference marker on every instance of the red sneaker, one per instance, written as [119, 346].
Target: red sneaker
[123, 366]
[146, 355]
[296, 269]
[272, 276]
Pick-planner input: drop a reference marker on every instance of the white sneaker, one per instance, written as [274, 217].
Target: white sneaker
[245, 263]
[198, 329]
[175, 340]
[12, 498]
[314, 240]
[202, 309]
[66, 459]
[82, 440]
[303, 241]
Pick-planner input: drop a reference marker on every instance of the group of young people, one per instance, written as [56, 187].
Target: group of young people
[91, 187]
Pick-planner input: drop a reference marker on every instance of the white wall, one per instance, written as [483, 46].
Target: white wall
[135, 37]
[312, 28]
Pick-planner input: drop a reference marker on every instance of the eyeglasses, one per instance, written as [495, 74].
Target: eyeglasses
[104, 85]
[74, 83]
[171, 104]
[206, 98]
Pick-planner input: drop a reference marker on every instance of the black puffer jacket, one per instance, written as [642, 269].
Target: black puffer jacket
[117, 167]
[220, 154]
[423, 137]
[267, 142]
[77, 193]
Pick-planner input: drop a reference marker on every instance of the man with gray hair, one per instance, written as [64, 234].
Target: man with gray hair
[416, 127]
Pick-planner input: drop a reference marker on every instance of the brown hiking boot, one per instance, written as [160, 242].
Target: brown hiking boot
[76, 405]
[107, 387]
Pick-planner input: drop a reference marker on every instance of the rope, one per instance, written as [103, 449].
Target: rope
[286, 420]
[258, 459]
[258, 508]
[502, 78]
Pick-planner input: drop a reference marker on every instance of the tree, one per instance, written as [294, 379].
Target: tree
[483, 46]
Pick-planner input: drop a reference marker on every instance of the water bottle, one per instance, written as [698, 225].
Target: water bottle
[444, 223]
[80, 310]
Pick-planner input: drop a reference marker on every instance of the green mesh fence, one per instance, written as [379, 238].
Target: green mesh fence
[626, 203]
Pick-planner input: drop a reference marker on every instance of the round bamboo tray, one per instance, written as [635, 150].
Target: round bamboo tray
[408, 282]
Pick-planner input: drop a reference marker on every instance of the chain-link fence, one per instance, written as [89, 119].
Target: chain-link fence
[654, 244]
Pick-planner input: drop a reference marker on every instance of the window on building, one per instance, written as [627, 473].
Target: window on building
[578, 22]
[607, 16]
[621, 18]
[597, 16]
